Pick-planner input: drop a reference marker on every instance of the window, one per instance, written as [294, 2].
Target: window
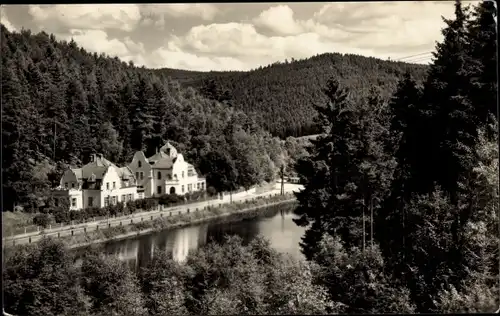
[114, 200]
[203, 185]
[182, 189]
[66, 185]
[114, 185]
[107, 185]
[183, 174]
[142, 175]
[91, 201]
[123, 197]
[106, 201]
[158, 189]
[73, 202]
[159, 175]
[137, 175]
[130, 197]
[169, 177]
[139, 164]
[197, 186]
[73, 185]
[189, 187]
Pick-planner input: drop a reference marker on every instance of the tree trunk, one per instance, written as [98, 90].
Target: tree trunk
[364, 229]
[371, 222]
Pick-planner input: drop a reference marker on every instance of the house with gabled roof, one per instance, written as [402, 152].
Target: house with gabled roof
[97, 184]
[166, 172]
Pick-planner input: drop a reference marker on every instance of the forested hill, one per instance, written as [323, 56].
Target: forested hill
[282, 95]
[61, 103]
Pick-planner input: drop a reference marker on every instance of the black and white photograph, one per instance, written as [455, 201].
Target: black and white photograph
[250, 158]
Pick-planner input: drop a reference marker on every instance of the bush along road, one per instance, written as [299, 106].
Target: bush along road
[136, 218]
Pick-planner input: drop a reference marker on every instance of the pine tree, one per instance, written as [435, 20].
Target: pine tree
[329, 200]
[453, 118]
[143, 118]
[482, 37]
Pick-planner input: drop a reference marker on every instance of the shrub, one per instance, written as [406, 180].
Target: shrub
[196, 195]
[132, 206]
[169, 199]
[211, 191]
[42, 220]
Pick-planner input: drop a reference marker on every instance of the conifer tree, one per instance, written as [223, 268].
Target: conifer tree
[452, 120]
[329, 200]
[482, 37]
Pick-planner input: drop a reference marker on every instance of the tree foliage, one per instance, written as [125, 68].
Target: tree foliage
[280, 96]
[61, 103]
[430, 157]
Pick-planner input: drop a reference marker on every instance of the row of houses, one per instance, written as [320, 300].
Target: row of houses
[101, 183]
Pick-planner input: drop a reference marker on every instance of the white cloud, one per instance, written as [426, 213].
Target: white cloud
[158, 12]
[280, 20]
[392, 29]
[384, 25]
[170, 57]
[241, 41]
[99, 42]
[5, 21]
[123, 17]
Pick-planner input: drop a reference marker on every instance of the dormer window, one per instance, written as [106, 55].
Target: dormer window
[72, 185]
[139, 164]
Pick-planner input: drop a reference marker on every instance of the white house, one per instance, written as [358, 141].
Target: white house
[166, 172]
[97, 184]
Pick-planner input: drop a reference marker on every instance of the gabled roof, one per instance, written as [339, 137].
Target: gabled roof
[77, 172]
[125, 173]
[169, 147]
[165, 163]
[98, 167]
[158, 156]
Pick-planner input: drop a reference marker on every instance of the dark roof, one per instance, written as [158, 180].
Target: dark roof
[126, 173]
[98, 167]
[165, 163]
[158, 156]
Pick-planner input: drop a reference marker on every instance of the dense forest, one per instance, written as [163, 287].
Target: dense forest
[413, 186]
[61, 103]
[401, 206]
[281, 96]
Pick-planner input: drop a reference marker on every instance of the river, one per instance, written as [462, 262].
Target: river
[274, 223]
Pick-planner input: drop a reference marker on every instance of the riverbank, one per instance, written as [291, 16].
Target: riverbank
[230, 212]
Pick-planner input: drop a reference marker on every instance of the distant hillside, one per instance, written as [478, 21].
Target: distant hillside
[281, 96]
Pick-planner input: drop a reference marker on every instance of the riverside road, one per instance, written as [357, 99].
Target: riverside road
[69, 230]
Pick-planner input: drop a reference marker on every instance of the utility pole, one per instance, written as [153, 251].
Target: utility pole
[282, 173]
[364, 228]
[371, 222]
[55, 135]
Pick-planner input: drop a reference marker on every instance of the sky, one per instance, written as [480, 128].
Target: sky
[240, 36]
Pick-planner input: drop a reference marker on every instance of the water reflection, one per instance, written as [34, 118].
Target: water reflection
[275, 224]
